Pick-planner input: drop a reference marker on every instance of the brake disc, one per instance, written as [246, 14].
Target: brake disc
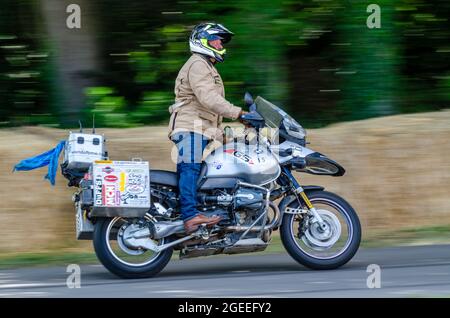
[316, 238]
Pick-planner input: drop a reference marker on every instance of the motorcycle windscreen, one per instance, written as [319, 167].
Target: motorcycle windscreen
[319, 164]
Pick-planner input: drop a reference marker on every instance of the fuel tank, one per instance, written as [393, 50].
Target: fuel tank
[250, 163]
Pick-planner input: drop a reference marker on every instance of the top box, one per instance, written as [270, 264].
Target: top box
[82, 150]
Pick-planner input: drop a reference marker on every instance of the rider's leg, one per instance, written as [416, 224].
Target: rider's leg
[190, 151]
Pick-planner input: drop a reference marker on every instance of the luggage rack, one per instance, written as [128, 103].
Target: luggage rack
[72, 175]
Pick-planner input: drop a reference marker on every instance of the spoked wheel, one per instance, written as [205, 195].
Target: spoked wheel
[122, 259]
[319, 248]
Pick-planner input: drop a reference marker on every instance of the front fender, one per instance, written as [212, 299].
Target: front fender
[319, 164]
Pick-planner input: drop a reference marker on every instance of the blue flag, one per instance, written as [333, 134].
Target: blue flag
[49, 158]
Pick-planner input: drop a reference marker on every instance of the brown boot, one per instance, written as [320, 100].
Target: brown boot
[193, 224]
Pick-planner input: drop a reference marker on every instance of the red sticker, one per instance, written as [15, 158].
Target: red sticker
[110, 194]
[111, 178]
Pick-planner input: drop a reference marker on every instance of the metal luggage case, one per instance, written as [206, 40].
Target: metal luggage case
[83, 149]
[120, 188]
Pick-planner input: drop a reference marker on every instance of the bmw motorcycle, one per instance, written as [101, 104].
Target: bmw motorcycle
[250, 184]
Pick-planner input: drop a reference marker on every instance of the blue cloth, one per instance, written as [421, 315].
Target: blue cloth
[190, 150]
[48, 158]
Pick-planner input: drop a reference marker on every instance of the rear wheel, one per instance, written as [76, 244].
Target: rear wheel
[121, 259]
[315, 248]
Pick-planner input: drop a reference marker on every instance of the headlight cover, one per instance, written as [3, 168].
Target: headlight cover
[294, 129]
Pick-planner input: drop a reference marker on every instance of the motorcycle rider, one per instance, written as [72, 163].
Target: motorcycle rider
[197, 114]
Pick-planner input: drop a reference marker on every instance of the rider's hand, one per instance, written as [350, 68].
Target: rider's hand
[243, 112]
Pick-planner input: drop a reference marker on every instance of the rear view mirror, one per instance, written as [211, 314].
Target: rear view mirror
[248, 99]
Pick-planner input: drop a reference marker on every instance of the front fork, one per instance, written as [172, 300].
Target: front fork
[299, 191]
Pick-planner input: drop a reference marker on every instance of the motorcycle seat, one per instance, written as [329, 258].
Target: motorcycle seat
[164, 177]
[170, 178]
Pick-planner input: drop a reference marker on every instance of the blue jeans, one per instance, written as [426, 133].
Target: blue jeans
[190, 151]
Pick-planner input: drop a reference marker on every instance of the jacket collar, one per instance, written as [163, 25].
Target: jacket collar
[206, 58]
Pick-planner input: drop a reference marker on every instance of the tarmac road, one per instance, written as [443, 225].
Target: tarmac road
[417, 271]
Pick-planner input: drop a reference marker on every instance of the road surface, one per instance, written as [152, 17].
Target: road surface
[417, 271]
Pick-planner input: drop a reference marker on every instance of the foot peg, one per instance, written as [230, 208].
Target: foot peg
[202, 231]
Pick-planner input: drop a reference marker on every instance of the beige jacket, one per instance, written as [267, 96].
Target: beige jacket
[200, 103]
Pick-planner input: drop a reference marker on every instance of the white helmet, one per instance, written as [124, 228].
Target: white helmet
[205, 32]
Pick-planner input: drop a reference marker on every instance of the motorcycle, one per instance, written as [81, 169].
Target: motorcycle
[240, 181]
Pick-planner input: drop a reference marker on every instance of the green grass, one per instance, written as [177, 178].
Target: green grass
[437, 234]
[412, 236]
[51, 258]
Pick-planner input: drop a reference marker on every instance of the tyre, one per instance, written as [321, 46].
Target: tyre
[314, 247]
[122, 260]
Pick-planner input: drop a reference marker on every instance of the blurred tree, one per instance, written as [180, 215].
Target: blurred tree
[317, 59]
[24, 66]
[369, 62]
[424, 54]
[75, 52]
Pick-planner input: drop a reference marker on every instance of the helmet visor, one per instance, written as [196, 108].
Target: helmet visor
[221, 36]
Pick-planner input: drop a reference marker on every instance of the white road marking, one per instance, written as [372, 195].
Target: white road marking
[408, 292]
[174, 291]
[286, 290]
[29, 285]
[22, 294]
[4, 281]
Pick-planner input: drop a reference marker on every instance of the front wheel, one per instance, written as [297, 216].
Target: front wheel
[121, 259]
[315, 248]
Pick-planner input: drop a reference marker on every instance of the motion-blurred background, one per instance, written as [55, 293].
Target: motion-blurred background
[317, 59]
